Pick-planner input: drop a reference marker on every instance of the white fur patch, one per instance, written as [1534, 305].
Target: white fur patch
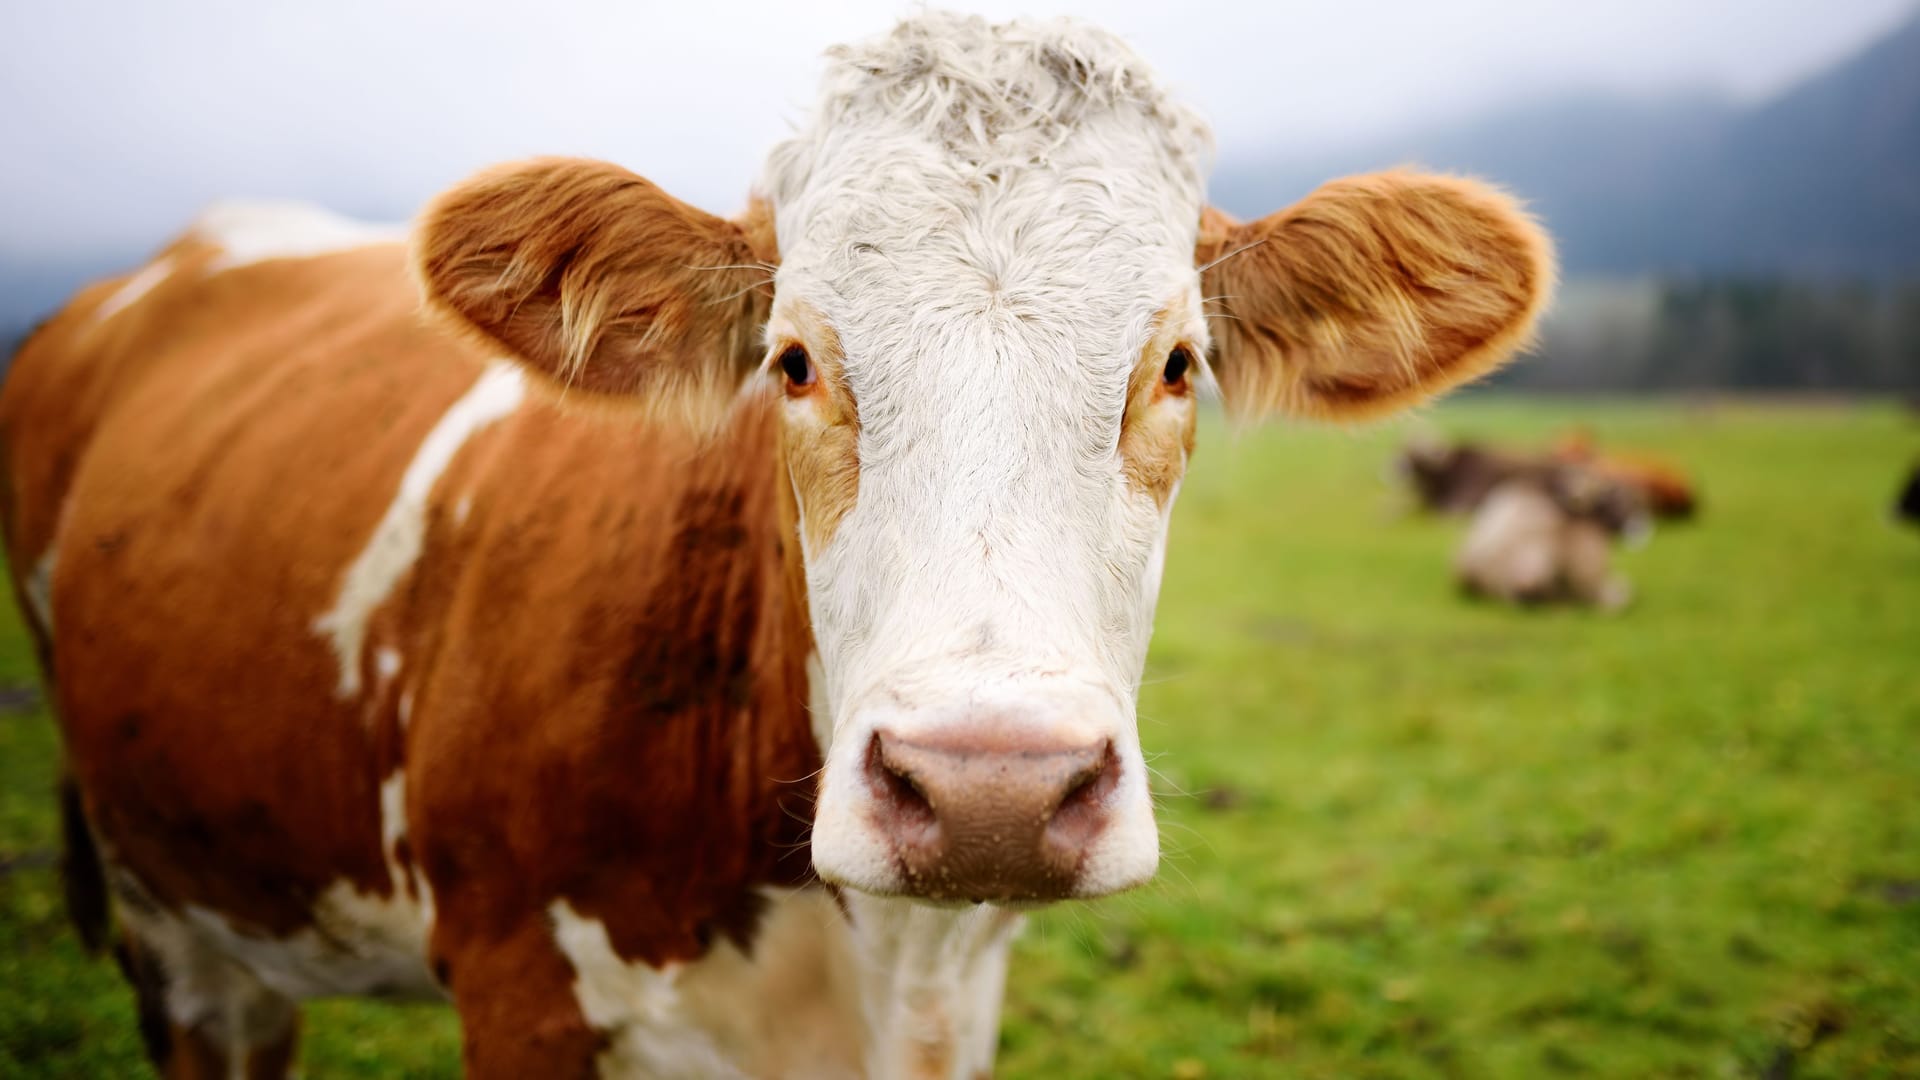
[393, 819]
[137, 286]
[932, 980]
[358, 945]
[790, 1009]
[393, 829]
[38, 589]
[251, 232]
[638, 1008]
[398, 538]
[207, 989]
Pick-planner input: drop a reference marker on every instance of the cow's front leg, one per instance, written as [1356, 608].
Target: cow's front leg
[519, 1016]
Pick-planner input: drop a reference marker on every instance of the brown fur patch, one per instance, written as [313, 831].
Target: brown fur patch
[600, 280]
[1157, 433]
[670, 769]
[50, 408]
[821, 435]
[260, 423]
[1371, 294]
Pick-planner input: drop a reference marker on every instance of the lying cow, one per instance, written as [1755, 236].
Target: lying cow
[1667, 492]
[1543, 539]
[1455, 478]
[689, 649]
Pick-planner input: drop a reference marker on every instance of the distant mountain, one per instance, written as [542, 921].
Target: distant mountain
[1823, 181]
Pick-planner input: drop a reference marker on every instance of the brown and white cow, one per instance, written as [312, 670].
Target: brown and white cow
[690, 647]
[1662, 486]
[1456, 477]
[1548, 537]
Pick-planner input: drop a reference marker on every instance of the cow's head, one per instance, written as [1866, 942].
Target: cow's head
[998, 293]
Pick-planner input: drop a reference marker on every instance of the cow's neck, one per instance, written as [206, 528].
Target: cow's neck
[931, 983]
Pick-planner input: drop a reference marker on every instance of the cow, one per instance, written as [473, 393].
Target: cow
[1667, 492]
[1455, 478]
[685, 644]
[1906, 506]
[1539, 539]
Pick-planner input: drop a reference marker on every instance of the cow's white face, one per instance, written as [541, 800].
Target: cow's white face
[986, 270]
[984, 334]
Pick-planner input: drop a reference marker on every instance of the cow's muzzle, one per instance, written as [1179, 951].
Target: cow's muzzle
[994, 816]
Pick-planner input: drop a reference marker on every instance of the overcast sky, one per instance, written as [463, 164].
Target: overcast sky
[118, 119]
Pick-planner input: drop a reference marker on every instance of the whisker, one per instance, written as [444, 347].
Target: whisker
[1185, 878]
[762, 267]
[806, 837]
[801, 779]
[1174, 788]
[1231, 254]
[742, 292]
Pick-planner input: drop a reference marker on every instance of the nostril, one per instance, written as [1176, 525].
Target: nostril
[1082, 813]
[902, 804]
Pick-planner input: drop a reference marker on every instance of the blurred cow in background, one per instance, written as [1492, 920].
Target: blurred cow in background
[1455, 478]
[1669, 495]
[1547, 536]
[1907, 509]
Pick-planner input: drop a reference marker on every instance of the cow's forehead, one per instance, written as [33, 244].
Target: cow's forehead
[1012, 160]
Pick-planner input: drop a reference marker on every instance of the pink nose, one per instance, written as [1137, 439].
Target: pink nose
[1003, 818]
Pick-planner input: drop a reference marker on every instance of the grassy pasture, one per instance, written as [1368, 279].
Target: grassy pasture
[1407, 835]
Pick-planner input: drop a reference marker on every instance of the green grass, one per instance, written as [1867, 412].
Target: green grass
[1408, 835]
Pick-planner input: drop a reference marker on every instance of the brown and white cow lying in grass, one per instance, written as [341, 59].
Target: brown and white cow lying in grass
[1456, 477]
[1662, 487]
[1540, 538]
[690, 648]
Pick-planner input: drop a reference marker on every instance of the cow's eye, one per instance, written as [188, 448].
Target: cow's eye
[797, 366]
[1179, 362]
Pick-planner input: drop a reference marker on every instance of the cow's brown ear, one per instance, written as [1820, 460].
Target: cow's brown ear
[599, 280]
[1371, 294]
